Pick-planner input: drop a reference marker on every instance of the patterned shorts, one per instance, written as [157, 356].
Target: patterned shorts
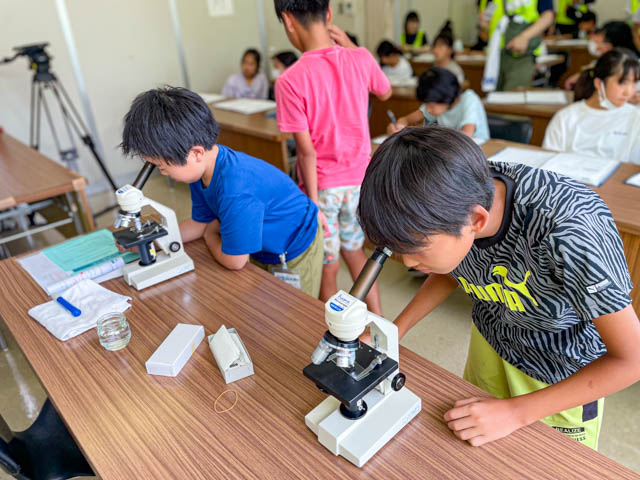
[339, 206]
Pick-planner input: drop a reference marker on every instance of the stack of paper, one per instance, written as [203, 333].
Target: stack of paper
[590, 170]
[532, 97]
[425, 58]
[470, 57]
[211, 97]
[246, 106]
[403, 82]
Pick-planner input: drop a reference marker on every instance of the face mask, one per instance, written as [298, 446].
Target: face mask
[592, 47]
[275, 73]
[604, 101]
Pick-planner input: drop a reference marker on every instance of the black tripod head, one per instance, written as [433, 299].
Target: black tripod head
[39, 60]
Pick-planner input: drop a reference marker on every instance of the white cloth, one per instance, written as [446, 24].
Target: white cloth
[492, 65]
[579, 128]
[93, 301]
[401, 71]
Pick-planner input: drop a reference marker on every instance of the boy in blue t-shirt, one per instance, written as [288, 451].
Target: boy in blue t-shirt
[241, 206]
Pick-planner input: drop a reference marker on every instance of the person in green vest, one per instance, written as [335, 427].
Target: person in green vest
[634, 10]
[527, 20]
[568, 14]
[413, 39]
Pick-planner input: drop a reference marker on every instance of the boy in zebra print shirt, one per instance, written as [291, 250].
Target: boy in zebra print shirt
[554, 331]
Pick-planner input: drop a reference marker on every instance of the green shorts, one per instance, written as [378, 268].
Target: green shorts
[308, 264]
[487, 370]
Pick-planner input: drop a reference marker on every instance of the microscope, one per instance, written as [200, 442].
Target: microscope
[153, 267]
[367, 405]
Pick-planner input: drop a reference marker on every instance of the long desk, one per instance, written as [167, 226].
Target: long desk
[255, 135]
[133, 425]
[27, 176]
[623, 201]
[579, 56]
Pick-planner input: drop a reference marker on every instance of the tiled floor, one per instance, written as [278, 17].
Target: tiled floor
[442, 337]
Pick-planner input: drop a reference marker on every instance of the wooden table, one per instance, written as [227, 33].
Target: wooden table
[579, 57]
[540, 115]
[27, 176]
[623, 201]
[133, 425]
[403, 101]
[255, 135]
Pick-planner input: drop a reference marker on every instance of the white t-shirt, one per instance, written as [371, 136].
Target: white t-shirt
[469, 110]
[579, 128]
[401, 71]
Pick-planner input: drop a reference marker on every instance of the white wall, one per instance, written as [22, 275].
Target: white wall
[608, 10]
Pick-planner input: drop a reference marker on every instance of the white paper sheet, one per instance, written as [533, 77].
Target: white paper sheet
[633, 180]
[506, 98]
[211, 97]
[568, 42]
[590, 170]
[425, 57]
[479, 141]
[379, 139]
[403, 82]
[525, 156]
[548, 58]
[547, 97]
[246, 106]
[465, 57]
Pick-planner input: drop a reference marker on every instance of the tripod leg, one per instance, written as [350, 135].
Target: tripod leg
[32, 114]
[52, 127]
[70, 155]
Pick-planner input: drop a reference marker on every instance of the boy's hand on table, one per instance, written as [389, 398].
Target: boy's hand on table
[482, 420]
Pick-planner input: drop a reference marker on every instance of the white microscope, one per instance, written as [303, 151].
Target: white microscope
[367, 405]
[153, 267]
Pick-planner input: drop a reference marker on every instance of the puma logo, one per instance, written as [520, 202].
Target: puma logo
[508, 295]
[518, 287]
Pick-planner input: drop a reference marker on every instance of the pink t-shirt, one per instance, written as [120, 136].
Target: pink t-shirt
[327, 92]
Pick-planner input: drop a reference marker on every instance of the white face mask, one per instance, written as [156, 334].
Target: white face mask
[592, 47]
[604, 101]
[275, 73]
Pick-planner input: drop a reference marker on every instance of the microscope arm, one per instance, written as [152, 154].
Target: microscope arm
[170, 222]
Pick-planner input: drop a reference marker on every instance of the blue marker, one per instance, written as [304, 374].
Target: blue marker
[74, 311]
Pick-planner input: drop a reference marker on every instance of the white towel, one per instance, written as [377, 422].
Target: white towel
[92, 300]
[492, 65]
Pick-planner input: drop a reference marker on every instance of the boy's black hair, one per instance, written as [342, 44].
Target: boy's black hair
[304, 11]
[256, 56]
[438, 85]
[422, 181]
[287, 58]
[165, 123]
[445, 36]
[619, 35]
[387, 48]
[589, 16]
[617, 62]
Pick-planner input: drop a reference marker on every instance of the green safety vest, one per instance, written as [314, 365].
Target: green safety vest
[634, 6]
[563, 5]
[528, 12]
[417, 42]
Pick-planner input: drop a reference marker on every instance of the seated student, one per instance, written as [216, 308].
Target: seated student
[282, 61]
[587, 24]
[242, 207]
[611, 35]
[393, 63]
[250, 83]
[554, 330]
[443, 52]
[601, 122]
[413, 39]
[446, 104]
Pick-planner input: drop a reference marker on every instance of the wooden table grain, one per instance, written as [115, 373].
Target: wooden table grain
[255, 135]
[27, 176]
[624, 202]
[133, 425]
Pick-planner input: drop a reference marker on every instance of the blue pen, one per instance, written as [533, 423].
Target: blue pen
[391, 116]
[74, 310]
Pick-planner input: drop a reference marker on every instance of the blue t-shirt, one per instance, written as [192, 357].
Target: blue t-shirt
[469, 109]
[261, 211]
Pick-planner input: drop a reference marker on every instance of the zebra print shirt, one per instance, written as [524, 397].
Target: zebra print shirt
[558, 264]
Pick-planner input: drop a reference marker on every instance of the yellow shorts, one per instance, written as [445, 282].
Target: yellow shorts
[487, 370]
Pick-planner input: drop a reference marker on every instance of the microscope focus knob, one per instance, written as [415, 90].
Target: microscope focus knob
[174, 247]
[398, 381]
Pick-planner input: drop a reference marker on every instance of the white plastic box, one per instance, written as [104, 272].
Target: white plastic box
[230, 354]
[174, 352]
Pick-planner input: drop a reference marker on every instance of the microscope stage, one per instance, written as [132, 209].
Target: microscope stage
[129, 238]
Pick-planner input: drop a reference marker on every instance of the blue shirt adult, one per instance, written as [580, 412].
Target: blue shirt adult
[261, 211]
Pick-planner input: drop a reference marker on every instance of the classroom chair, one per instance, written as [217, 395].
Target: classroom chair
[44, 451]
[510, 127]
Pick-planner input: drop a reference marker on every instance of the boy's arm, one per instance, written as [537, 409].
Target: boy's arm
[191, 230]
[469, 129]
[214, 243]
[307, 161]
[520, 43]
[432, 293]
[412, 118]
[482, 420]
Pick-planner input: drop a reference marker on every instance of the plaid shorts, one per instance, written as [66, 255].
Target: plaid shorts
[339, 205]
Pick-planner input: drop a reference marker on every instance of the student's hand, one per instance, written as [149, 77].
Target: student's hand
[399, 125]
[341, 38]
[571, 81]
[483, 420]
[325, 224]
[518, 44]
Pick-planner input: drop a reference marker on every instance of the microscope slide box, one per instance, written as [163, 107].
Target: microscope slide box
[174, 352]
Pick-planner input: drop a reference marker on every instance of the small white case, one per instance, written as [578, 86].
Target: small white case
[174, 352]
[230, 354]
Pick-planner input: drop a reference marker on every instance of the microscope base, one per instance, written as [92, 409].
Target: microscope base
[359, 440]
[162, 269]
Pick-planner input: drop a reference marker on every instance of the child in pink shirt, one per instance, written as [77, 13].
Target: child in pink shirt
[323, 99]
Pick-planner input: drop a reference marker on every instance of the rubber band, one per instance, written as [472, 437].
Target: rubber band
[215, 404]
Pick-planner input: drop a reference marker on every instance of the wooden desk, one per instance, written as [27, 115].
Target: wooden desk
[403, 101]
[623, 201]
[255, 135]
[540, 115]
[27, 176]
[133, 425]
[579, 57]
